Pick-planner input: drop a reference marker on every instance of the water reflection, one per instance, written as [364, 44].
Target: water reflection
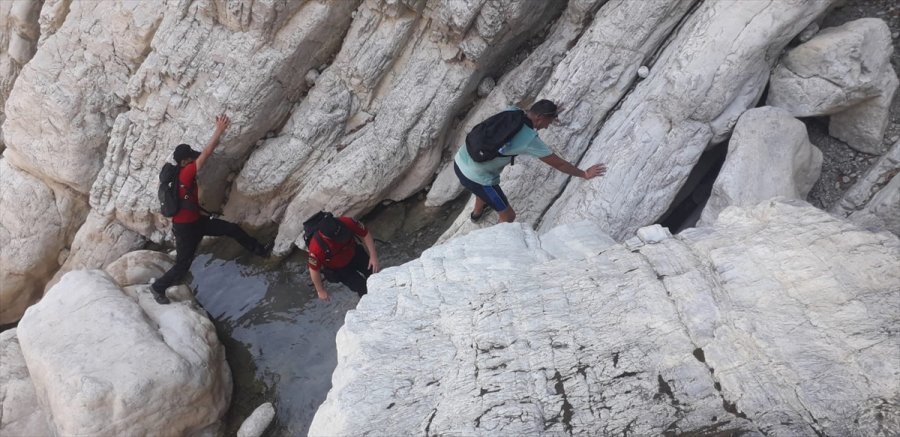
[278, 337]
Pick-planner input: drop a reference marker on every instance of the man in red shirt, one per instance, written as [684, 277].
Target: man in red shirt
[188, 224]
[345, 260]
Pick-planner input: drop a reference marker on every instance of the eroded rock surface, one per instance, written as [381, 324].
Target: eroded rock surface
[36, 222]
[779, 319]
[20, 413]
[844, 71]
[665, 127]
[106, 363]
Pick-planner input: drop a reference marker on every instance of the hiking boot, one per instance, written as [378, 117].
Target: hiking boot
[160, 298]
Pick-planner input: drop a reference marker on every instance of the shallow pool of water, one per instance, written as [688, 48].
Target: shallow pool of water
[278, 337]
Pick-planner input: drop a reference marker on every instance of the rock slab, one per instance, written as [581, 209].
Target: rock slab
[105, 363]
[778, 320]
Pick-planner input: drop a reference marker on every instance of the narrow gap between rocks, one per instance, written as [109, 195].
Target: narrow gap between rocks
[684, 212]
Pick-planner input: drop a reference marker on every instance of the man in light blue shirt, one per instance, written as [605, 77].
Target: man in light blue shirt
[483, 178]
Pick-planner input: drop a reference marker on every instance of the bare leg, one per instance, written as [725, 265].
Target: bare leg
[479, 206]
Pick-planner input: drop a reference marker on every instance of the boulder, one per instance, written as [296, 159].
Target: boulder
[20, 413]
[37, 221]
[863, 125]
[876, 177]
[257, 423]
[838, 68]
[778, 320]
[769, 155]
[883, 211]
[139, 267]
[697, 88]
[105, 363]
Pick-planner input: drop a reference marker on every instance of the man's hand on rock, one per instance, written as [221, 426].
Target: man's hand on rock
[222, 123]
[594, 171]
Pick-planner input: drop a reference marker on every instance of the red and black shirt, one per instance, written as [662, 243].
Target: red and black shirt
[341, 253]
[187, 193]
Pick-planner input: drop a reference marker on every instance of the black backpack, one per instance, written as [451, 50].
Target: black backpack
[312, 228]
[168, 190]
[485, 140]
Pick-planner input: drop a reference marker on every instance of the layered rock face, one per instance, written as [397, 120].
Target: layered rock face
[343, 105]
[778, 320]
[103, 360]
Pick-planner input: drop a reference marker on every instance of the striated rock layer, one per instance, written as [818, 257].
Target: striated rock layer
[778, 320]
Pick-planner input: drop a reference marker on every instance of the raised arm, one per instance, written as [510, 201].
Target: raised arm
[564, 166]
[222, 123]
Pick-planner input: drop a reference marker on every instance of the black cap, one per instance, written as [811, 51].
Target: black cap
[334, 230]
[184, 151]
[545, 108]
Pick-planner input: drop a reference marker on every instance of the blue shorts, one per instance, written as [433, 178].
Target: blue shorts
[490, 194]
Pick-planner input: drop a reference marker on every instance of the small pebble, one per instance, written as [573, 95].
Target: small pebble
[643, 72]
[845, 179]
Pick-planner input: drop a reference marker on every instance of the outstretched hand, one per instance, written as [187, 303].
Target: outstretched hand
[373, 264]
[594, 171]
[222, 122]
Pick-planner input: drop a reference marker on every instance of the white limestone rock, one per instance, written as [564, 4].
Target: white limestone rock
[98, 242]
[863, 191]
[586, 64]
[19, 32]
[62, 107]
[37, 221]
[104, 363]
[20, 414]
[838, 68]
[779, 320]
[696, 91]
[576, 241]
[863, 126]
[247, 59]
[769, 155]
[258, 421]
[883, 211]
[139, 267]
[410, 69]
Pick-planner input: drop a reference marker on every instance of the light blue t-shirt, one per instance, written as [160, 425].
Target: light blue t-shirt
[525, 142]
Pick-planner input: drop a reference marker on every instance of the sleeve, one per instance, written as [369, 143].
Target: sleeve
[314, 261]
[537, 148]
[355, 226]
[188, 173]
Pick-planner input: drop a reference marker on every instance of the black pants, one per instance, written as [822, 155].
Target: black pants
[188, 237]
[354, 274]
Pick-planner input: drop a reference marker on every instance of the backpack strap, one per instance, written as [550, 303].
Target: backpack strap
[323, 245]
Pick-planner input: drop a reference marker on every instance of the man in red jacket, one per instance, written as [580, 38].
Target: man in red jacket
[334, 251]
[189, 224]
